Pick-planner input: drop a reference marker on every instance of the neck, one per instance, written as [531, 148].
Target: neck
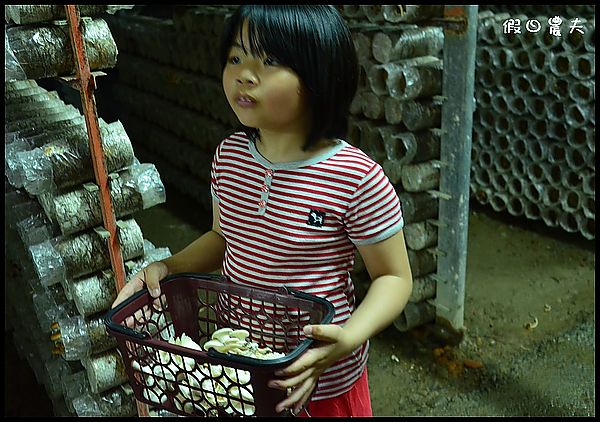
[286, 148]
[281, 142]
[281, 147]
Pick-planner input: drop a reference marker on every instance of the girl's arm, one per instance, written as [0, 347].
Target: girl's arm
[203, 255]
[388, 265]
[391, 286]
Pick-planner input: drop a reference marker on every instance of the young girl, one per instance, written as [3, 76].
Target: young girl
[292, 200]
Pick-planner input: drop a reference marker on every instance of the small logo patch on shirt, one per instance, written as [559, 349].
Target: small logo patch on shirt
[316, 218]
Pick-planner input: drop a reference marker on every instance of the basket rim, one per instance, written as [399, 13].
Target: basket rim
[118, 330]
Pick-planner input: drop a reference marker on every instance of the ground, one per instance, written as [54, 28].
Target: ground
[517, 272]
[515, 275]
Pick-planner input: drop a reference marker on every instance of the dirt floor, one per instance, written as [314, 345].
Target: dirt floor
[517, 272]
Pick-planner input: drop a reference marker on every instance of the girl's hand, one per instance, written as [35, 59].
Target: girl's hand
[302, 375]
[148, 277]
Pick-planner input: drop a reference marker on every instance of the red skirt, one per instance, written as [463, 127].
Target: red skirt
[356, 402]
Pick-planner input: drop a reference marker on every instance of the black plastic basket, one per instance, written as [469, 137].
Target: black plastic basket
[182, 380]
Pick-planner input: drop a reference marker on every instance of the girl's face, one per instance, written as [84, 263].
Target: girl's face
[263, 93]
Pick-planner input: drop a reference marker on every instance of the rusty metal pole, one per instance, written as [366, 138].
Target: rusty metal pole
[86, 84]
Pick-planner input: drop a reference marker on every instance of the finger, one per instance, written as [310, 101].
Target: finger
[324, 332]
[159, 303]
[134, 285]
[296, 395]
[129, 322]
[300, 365]
[291, 382]
[303, 400]
[152, 282]
[309, 359]
[117, 301]
[147, 312]
[125, 292]
[139, 317]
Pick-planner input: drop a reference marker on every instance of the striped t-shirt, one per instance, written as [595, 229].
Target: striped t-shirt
[297, 224]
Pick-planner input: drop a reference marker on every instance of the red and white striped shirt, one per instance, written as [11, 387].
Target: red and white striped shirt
[297, 224]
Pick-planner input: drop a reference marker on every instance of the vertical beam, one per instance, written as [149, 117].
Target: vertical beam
[87, 85]
[86, 90]
[457, 121]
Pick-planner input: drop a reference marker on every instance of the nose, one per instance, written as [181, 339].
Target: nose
[247, 78]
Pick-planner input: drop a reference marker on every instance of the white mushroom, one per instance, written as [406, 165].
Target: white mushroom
[150, 381]
[205, 385]
[189, 363]
[215, 344]
[163, 357]
[183, 405]
[216, 370]
[242, 407]
[232, 341]
[219, 334]
[146, 370]
[143, 369]
[211, 371]
[245, 352]
[241, 334]
[238, 376]
[154, 396]
[186, 341]
[274, 355]
[183, 341]
[189, 385]
[166, 376]
[214, 396]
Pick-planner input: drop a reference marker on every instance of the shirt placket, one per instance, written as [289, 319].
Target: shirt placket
[264, 192]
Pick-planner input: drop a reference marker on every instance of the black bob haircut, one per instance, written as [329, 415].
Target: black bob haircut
[315, 42]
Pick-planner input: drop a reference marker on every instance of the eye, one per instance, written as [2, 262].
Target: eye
[234, 60]
[270, 61]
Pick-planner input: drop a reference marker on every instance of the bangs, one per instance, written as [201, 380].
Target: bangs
[261, 44]
[269, 33]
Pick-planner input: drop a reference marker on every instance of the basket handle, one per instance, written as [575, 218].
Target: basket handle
[108, 319]
[126, 331]
[328, 317]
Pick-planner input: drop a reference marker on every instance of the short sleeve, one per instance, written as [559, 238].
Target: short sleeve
[374, 212]
[214, 174]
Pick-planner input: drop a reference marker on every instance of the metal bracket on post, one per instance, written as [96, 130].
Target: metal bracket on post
[102, 232]
[85, 82]
[73, 81]
[91, 187]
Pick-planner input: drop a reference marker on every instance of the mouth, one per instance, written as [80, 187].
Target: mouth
[243, 100]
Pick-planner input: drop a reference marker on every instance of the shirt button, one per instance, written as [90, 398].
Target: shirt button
[269, 172]
[262, 203]
[264, 188]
